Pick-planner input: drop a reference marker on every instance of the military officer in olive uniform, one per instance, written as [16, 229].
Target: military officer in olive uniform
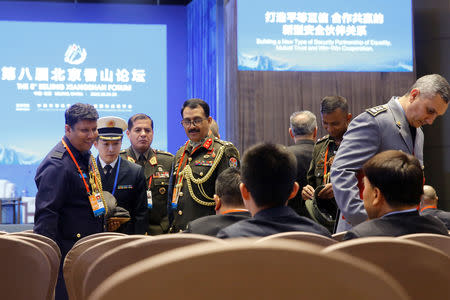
[335, 120]
[197, 164]
[157, 165]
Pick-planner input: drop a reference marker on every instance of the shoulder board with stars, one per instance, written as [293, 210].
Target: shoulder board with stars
[322, 139]
[374, 111]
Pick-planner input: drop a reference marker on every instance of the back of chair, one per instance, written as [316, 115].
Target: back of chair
[133, 252]
[52, 257]
[309, 237]
[95, 235]
[437, 241]
[82, 263]
[339, 236]
[422, 270]
[73, 255]
[41, 238]
[25, 270]
[280, 269]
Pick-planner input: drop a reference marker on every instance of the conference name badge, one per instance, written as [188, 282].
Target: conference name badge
[97, 204]
[149, 199]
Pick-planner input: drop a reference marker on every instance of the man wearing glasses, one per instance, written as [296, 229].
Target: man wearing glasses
[197, 164]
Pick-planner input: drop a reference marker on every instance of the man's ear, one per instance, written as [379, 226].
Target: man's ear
[244, 192]
[128, 133]
[96, 144]
[413, 95]
[218, 202]
[378, 198]
[295, 189]
[67, 129]
[291, 133]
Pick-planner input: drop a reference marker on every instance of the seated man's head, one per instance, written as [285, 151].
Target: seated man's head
[429, 197]
[268, 174]
[228, 196]
[393, 181]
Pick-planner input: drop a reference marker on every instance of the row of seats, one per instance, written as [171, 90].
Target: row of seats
[183, 266]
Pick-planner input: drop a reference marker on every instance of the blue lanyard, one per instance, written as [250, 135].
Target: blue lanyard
[115, 179]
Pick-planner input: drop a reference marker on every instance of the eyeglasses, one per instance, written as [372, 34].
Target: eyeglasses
[196, 122]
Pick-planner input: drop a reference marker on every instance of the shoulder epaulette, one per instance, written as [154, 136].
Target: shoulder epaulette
[123, 151]
[58, 154]
[374, 111]
[323, 139]
[163, 152]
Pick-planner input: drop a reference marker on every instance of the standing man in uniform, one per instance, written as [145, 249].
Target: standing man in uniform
[156, 164]
[335, 120]
[123, 179]
[303, 130]
[69, 200]
[197, 164]
[392, 126]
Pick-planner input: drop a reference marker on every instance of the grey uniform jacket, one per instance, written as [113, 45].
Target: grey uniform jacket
[376, 130]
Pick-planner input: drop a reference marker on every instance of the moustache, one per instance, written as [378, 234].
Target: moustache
[194, 130]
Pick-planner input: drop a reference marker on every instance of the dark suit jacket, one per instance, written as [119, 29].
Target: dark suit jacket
[211, 225]
[442, 215]
[270, 221]
[302, 150]
[397, 225]
[130, 194]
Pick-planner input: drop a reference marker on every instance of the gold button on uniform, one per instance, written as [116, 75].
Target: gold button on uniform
[180, 194]
[190, 159]
[78, 235]
[180, 212]
[201, 173]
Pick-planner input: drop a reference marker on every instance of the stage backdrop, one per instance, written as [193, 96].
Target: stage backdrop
[121, 59]
[259, 103]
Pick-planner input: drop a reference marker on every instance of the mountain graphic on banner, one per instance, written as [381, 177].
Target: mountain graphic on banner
[11, 156]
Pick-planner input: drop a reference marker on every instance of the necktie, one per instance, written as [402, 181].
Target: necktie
[141, 160]
[108, 170]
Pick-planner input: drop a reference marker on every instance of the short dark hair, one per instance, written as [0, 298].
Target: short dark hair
[79, 112]
[227, 187]
[136, 117]
[194, 103]
[330, 103]
[398, 175]
[269, 172]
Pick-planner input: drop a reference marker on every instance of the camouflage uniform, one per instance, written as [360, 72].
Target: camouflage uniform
[157, 166]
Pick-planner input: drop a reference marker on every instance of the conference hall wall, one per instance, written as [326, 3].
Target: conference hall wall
[123, 59]
[285, 56]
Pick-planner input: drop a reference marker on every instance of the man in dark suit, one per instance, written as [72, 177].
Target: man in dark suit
[428, 206]
[393, 185]
[268, 175]
[303, 130]
[123, 179]
[229, 206]
[64, 210]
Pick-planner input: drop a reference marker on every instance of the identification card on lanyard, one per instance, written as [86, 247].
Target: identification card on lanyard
[95, 198]
[97, 204]
[149, 199]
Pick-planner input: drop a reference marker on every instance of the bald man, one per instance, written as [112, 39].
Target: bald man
[428, 206]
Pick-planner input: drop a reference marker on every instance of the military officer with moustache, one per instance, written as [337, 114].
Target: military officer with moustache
[197, 164]
[335, 120]
[156, 164]
[123, 179]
